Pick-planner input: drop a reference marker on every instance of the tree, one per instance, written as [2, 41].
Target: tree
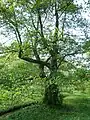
[41, 32]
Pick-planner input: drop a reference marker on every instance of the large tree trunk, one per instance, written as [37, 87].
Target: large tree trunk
[52, 94]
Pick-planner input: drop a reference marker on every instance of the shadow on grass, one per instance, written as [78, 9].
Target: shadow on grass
[40, 112]
[76, 109]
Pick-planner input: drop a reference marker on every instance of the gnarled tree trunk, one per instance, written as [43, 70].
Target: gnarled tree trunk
[52, 94]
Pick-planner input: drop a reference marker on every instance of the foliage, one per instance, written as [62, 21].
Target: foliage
[49, 46]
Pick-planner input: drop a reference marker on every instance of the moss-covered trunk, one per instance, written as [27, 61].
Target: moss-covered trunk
[52, 94]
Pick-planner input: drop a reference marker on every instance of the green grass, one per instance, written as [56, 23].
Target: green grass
[75, 108]
[17, 89]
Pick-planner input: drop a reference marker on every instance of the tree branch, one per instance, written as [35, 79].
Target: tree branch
[41, 25]
[64, 19]
[56, 14]
[35, 61]
[69, 54]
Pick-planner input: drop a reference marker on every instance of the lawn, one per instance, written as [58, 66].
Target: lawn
[74, 108]
[17, 88]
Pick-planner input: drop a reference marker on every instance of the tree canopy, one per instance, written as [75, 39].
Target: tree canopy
[42, 31]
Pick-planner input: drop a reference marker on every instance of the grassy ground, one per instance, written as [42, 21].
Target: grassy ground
[17, 88]
[75, 108]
